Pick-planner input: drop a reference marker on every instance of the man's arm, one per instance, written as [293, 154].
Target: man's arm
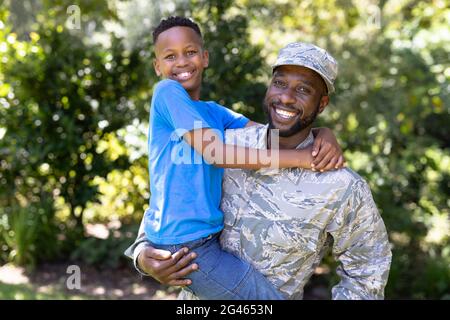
[139, 244]
[361, 246]
[160, 264]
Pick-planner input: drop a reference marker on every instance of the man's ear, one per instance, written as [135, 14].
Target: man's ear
[205, 58]
[323, 103]
[156, 67]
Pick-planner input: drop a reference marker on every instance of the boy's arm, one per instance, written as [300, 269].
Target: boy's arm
[251, 123]
[327, 152]
[206, 142]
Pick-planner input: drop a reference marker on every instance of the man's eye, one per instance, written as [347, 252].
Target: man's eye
[304, 90]
[278, 84]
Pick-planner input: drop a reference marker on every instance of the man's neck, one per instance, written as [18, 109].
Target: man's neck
[290, 142]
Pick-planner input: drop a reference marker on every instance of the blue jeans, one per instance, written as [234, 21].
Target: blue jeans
[221, 275]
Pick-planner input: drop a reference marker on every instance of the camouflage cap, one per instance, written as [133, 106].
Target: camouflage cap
[310, 56]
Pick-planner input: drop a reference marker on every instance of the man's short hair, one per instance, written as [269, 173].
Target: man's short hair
[175, 21]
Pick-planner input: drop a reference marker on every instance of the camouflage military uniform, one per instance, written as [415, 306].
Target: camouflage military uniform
[282, 221]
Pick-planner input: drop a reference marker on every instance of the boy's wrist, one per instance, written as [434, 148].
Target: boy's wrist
[304, 159]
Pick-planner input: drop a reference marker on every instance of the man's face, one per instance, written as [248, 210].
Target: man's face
[180, 57]
[295, 97]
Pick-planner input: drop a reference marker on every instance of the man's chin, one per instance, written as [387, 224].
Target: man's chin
[285, 132]
[288, 133]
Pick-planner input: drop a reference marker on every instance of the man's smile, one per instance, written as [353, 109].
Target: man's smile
[284, 114]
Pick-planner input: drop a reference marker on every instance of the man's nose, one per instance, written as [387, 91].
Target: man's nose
[287, 97]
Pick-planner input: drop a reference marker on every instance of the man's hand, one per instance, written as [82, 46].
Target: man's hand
[166, 268]
[326, 151]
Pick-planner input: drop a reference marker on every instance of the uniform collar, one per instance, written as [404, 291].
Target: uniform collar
[262, 142]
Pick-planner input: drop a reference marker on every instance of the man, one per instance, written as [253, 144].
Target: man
[282, 221]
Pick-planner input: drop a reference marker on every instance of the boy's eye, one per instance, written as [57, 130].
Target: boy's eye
[191, 52]
[170, 57]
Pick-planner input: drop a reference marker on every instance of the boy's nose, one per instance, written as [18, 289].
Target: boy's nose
[181, 62]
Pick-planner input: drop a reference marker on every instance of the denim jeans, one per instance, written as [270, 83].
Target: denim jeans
[221, 275]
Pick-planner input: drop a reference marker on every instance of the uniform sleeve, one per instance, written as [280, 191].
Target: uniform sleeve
[231, 119]
[361, 247]
[175, 107]
[139, 244]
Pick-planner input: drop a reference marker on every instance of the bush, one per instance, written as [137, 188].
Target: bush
[106, 253]
[21, 237]
[28, 235]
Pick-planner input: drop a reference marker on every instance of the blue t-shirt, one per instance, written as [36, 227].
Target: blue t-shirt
[185, 190]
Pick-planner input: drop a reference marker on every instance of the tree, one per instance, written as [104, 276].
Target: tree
[61, 95]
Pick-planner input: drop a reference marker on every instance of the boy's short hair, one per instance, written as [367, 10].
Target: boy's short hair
[175, 21]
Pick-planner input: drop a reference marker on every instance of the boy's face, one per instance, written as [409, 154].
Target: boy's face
[180, 57]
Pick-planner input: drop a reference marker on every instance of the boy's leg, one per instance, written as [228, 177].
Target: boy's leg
[222, 275]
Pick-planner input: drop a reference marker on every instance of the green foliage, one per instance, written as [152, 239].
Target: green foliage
[73, 111]
[29, 235]
[21, 237]
[228, 80]
[60, 96]
[106, 252]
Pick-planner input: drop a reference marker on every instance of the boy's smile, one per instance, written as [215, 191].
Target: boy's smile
[183, 76]
[180, 56]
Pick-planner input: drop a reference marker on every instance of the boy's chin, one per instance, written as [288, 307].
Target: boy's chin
[191, 85]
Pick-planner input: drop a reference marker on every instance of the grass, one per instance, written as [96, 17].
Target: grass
[30, 292]
[49, 282]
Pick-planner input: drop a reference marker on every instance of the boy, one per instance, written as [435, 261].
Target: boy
[184, 206]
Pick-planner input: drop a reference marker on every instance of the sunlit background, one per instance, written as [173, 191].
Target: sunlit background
[76, 79]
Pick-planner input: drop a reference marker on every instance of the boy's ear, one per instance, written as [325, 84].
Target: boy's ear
[205, 58]
[323, 103]
[156, 67]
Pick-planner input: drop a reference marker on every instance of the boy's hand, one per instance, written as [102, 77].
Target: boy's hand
[166, 268]
[326, 152]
